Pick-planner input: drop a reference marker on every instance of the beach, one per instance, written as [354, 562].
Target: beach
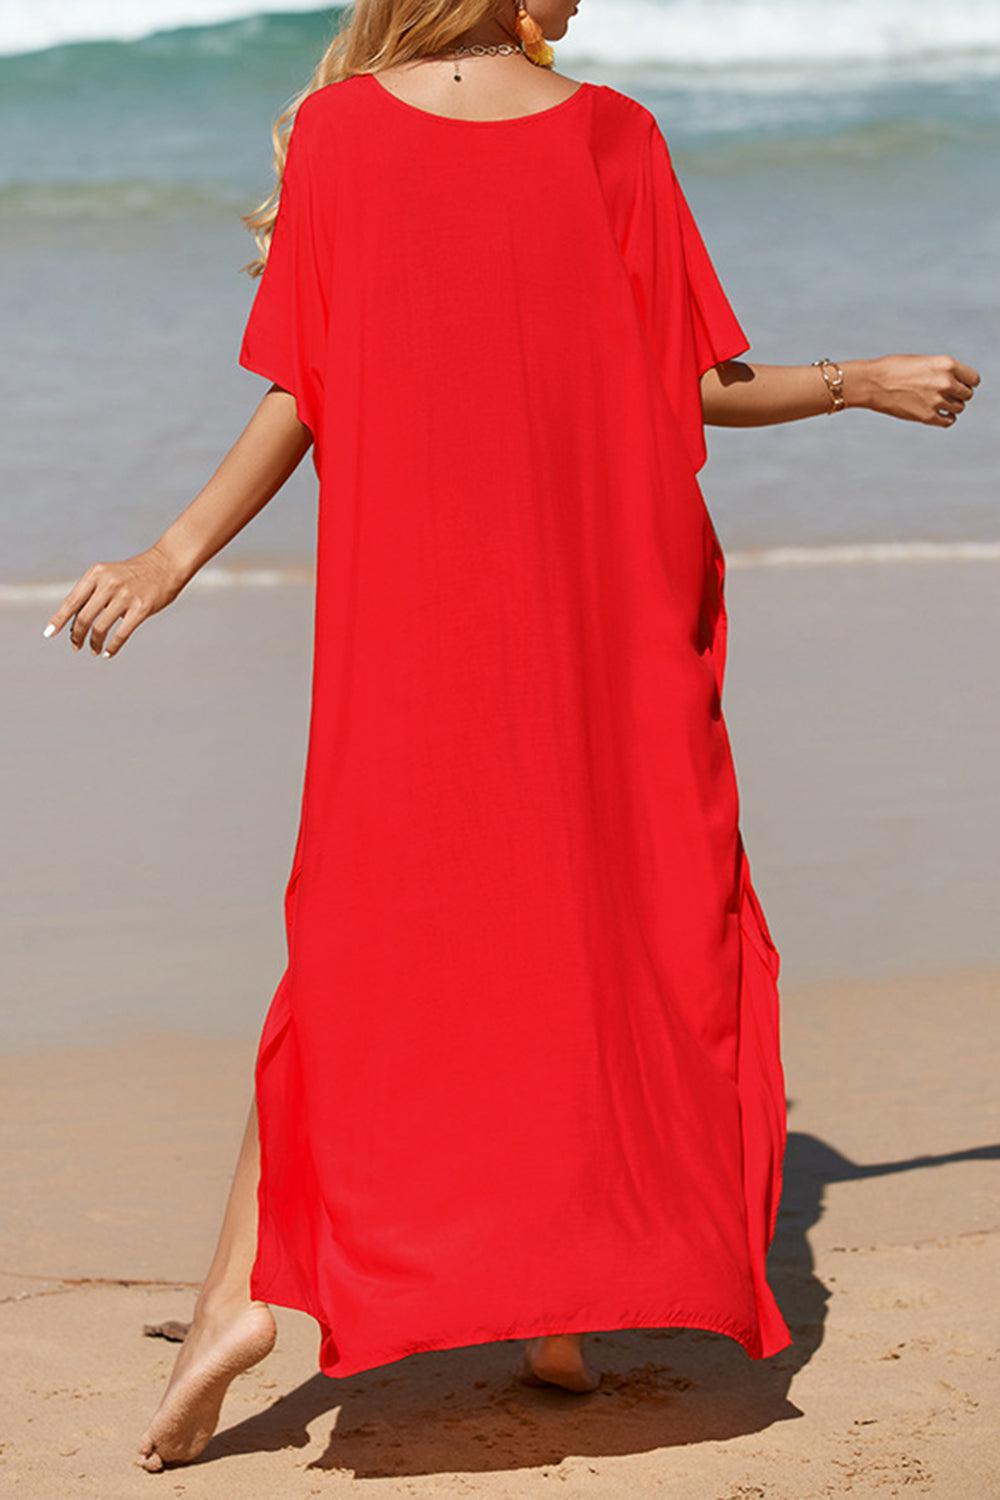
[886, 1275]
[841, 163]
[153, 831]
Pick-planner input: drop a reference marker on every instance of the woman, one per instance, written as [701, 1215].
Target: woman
[521, 1077]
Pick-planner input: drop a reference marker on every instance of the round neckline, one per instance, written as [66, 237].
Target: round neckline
[430, 114]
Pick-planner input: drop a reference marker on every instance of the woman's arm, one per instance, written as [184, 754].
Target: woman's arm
[267, 451]
[915, 387]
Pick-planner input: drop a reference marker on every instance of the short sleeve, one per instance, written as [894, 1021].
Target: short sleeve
[688, 317]
[284, 338]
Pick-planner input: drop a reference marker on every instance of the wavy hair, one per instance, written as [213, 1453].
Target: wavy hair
[376, 34]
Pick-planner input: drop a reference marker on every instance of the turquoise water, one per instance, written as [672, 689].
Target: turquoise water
[842, 162]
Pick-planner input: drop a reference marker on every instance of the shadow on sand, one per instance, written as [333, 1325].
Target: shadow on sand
[464, 1409]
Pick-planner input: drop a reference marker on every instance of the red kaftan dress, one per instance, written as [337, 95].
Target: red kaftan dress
[521, 1074]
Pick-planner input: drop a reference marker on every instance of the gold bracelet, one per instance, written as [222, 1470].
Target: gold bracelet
[834, 384]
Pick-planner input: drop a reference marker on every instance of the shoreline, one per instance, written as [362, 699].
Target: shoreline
[253, 571]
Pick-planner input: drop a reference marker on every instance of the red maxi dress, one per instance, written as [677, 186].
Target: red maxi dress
[521, 1074]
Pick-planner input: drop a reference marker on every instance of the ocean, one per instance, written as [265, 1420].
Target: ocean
[843, 162]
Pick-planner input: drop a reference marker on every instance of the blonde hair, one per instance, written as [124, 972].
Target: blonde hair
[377, 34]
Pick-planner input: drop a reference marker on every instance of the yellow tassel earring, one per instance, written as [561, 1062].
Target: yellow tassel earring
[536, 49]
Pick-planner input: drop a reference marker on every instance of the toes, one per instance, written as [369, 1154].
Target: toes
[148, 1458]
[568, 1375]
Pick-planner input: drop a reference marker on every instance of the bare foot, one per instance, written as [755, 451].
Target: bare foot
[558, 1359]
[223, 1341]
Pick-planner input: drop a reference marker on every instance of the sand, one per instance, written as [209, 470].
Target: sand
[151, 806]
[885, 1264]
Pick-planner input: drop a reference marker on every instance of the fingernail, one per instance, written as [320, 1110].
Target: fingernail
[49, 630]
[105, 653]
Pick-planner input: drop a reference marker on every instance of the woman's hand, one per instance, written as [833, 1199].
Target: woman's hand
[930, 388]
[125, 593]
[267, 451]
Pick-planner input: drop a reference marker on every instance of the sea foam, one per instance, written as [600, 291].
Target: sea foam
[705, 34]
[225, 578]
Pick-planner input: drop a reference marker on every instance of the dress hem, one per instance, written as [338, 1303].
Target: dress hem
[582, 1322]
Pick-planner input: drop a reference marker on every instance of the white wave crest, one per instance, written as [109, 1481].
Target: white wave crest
[687, 33]
[726, 33]
[26, 25]
[53, 592]
[833, 555]
[852, 553]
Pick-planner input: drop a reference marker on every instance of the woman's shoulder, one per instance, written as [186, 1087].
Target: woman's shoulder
[326, 101]
[623, 127]
[623, 105]
[325, 111]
